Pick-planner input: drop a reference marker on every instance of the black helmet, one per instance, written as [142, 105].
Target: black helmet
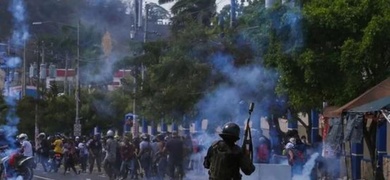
[231, 129]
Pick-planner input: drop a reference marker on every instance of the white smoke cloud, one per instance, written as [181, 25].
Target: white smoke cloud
[307, 168]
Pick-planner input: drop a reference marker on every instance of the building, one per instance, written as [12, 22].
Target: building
[66, 78]
[63, 75]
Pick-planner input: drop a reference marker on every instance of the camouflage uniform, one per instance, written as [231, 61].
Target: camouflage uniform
[224, 158]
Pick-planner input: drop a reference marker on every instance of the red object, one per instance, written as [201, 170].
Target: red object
[263, 153]
[69, 73]
[12, 159]
[129, 122]
[195, 146]
[325, 129]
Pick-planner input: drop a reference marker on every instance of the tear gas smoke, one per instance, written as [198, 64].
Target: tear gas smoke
[248, 83]
[307, 168]
[19, 37]
[252, 83]
[13, 62]
[20, 32]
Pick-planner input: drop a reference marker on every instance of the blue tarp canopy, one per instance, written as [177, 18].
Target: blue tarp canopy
[130, 115]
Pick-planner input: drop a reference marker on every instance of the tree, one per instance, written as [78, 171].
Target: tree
[344, 54]
[174, 81]
[104, 109]
[201, 11]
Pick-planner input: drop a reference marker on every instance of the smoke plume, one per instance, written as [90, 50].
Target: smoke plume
[252, 83]
[19, 37]
[307, 168]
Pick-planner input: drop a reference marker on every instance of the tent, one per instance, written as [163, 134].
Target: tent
[374, 99]
[130, 116]
[329, 112]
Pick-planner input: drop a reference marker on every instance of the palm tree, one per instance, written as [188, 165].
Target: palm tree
[197, 10]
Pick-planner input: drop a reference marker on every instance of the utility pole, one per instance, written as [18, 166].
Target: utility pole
[38, 98]
[140, 13]
[77, 126]
[135, 122]
[24, 70]
[66, 73]
[145, 39]
[232, 13]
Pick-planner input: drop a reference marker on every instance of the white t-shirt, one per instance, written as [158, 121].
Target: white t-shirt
[27, 148]
[289, 145]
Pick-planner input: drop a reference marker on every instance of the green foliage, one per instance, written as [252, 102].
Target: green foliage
[344, 51]
[322, 50]
[201, 11]
[175, 75]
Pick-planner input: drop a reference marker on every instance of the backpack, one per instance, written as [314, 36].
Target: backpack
[263, 153]
[223, 161]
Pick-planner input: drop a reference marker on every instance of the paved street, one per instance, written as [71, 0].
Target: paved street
[39, 174]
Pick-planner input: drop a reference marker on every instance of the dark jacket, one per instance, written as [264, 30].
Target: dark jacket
[224, 162]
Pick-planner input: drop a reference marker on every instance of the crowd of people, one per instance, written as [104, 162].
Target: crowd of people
[293, 150]
[123, 157]
[152, 157]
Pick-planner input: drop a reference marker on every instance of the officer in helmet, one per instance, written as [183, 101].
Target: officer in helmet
[224, 158]
[110, 158]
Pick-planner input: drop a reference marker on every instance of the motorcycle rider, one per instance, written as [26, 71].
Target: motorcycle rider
[26, 147]
[58, 144]
[43, 150]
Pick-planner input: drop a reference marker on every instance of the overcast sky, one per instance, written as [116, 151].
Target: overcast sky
[220, 4]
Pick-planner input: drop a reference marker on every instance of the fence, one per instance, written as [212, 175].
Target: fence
[386, 167]
[345, 165]
[367, 172]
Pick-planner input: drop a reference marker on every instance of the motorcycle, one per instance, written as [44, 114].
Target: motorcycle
[16, 166]
[55, 162]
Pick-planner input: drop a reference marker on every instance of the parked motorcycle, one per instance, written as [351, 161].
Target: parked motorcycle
[16, 166]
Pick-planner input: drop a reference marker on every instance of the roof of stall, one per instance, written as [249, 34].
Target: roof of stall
[329, 112]
[374, 99]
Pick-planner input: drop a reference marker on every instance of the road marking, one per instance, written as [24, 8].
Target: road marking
[41, 177]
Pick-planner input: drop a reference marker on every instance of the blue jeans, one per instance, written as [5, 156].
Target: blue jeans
[162, 166]
[126, 165]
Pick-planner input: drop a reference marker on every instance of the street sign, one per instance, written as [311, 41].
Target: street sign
[77, 129]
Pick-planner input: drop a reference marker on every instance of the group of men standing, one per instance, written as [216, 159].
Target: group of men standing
[122, 157]
[169, 155]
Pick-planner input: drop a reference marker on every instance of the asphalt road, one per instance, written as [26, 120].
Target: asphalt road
[39, 174]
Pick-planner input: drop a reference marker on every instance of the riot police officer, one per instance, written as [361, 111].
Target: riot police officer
[224, 158]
